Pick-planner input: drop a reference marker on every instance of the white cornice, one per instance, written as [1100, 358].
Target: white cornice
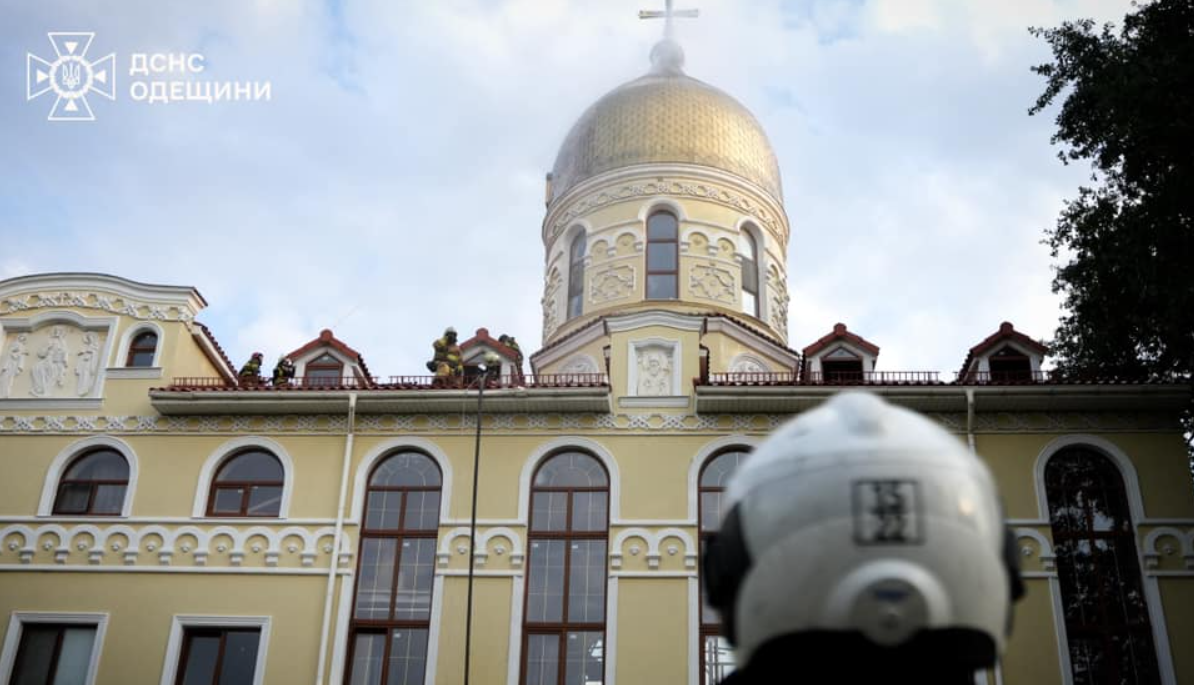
[655, 172]
[184, 296]
[655, 317]
[733, 330]
[564, 349]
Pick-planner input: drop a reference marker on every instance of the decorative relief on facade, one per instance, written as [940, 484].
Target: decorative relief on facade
[499, 541]
[627, 244]
[703, 191]
[92, 300]
[652, 546]
[654, 364]
[57, 361]
[745, 363]
[1169, 546]
[725, 249]
[550, 303]
[614, 283]
[698, 243]
[163, 545]
[1001, 422]
[779, 310]
[600, 251]
[711, 282]
[581, 363]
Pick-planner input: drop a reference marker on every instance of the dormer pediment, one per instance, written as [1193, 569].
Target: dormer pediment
[1005, 355]
[327, 359]
[840, 353]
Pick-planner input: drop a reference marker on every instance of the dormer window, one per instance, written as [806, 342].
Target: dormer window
[142, 350]
[841, 365]
[324, 370]
[750, 275]
[663, 256]
[576, 276]
[1009, 364]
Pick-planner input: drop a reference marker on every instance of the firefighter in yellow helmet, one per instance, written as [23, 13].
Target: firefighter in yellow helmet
[447, 360]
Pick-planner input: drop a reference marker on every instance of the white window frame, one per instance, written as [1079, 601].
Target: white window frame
[19, 619]
[221, 454]
[181, 622]
[118, 367]
[49, 488]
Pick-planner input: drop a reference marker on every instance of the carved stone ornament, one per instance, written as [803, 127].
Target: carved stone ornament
[92, 300]
[582, 363]
[745, 363]
[704, 191]
[654, 371]
[550, 310]
[712, 283]
[613, 283]
[779, 309]
[56, 361]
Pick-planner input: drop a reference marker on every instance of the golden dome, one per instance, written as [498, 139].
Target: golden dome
[666, 116]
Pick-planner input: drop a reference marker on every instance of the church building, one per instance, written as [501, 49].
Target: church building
[166, 518]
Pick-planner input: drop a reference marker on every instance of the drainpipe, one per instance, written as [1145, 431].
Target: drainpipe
[334, 563]
[970, 418]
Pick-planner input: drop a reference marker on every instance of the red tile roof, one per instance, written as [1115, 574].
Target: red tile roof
[1006, 332]
[840, 333]
[483, 337]
[327, 339]
[223, 356]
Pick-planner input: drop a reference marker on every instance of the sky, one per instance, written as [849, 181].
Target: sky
[393, 183]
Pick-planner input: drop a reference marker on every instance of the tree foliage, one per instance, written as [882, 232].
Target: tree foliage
[1127, 240]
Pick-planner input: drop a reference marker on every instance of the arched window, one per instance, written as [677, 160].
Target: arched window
[564, 618]
[1106, 617]
[94, 484]
[142, 350]
[576, 276]
[717, 657]
[750, 274]
[324, 370]
[663, 256]
[391, 615]
[247, 484]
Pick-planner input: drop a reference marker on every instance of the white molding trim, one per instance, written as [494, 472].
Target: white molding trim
[135, 372]
[655, 317]
[676, 352]
[514, 651]
[611, 630]
[1063, 642]
[654, 541]
[16, 624]
[553, 354]
[562, 444]
[1152, 592]
[704, 454]
[660, 401]
[246, 570]
[748, 225]
[388, 447]
[49, 490]
[433, 629]
[733, 330]
[120, 354]
[1108, 449]
[181, 622]
[694, 631]
[216, 459]
[71, 281]
[443, 552]
[343, 619]
[666, 203]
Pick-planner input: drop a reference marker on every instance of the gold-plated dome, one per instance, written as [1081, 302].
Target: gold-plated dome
[666, 116]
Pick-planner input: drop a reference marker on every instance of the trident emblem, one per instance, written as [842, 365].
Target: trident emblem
[71, 76]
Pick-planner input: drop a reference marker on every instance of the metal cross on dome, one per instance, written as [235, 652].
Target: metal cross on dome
[668, 13]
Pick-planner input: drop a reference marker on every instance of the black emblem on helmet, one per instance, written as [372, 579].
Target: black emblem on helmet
[887, 512]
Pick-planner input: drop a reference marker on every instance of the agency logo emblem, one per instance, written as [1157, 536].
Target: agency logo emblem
[70, 76]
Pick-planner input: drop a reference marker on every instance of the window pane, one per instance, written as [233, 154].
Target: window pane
[383, 510]
[710, 511]
[422, 511]
[35, 655]
[661, 226]
[141, 359]
[586, 659]
[408, 657]
[661, 257]
[588, 511]
[416, 570]
[325, 374]
[75, 656]
[571, 469]
[719, 659]
[549, 511]
[586, 582]
[201, 654]
[406, 469]
[109, 499]
[228, 500]
[367, 654]
[545, 582]
[543, 659]
[750, 303]
[265, 500]
[72, 498]
[102, 465]
[750, 276]
[376, 579]
[240, 657]
[251, 466]
[661, 287]
[717, 472]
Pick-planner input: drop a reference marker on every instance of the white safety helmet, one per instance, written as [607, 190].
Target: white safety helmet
[864, 524]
